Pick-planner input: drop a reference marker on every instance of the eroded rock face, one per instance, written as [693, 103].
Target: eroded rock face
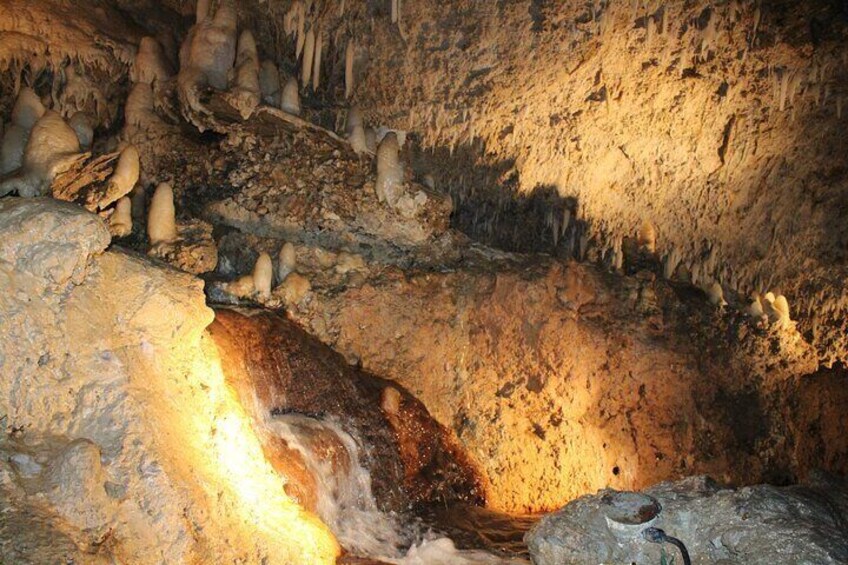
[595, 379]
[760, 524]
[117, 423]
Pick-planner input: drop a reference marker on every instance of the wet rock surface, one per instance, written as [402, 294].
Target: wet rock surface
[760, 524]
[412, 459]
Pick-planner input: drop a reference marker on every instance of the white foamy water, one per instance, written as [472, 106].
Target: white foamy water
[345, 502]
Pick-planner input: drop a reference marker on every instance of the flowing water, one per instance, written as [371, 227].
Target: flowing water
[345, 502]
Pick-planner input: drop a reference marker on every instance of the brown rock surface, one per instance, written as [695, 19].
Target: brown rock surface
[559, 380]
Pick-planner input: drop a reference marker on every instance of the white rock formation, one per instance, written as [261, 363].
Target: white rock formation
[308, 56]
[350, 52]
[138, 111]
[161, 219]
[126, 173]
[207, 56]
[151, 66]
[120, 222]
[246, 93]
[291, 97]
[389, 181]
[263, 275]
[52, 144]
[286, 262]
[357, 140]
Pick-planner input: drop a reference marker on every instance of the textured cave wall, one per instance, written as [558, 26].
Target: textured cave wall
[720, 123]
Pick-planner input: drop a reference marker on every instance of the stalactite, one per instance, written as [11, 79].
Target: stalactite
[308, 55]
[349, 78]
[316, 69]
[301, 29]
[202, 10]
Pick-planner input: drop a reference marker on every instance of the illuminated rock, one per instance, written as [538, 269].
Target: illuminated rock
[120, 222]
[263, 275]
[161, 219]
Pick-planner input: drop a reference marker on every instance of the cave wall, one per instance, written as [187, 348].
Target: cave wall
[720, 124]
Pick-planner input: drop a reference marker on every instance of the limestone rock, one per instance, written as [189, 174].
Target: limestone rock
[49, 239]
[758, 525]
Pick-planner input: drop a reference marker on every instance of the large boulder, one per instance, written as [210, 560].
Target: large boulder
[117, 425]
[753, 525]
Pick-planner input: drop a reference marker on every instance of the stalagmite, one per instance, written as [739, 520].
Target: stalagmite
[51, 146]
[138, 111]
[120, 222]
[161, 219]
[354, 118]
[291, 97]
[390, 402]
[371, 139]
[81, 124]
[242, 287]
[269, 83]
[389, 170]
[12, 150]
[207, 56]
[151, 66]
[246, 94]
[263, 274]
[755, 307]
[27, 109]
[126, 172]
[781, 307]
[139, 199]
[308, 55]
[287, 261]
[295, 288]
[716, 295]
[316, 68]
[348, 262]
[357, 140]
[350, 51]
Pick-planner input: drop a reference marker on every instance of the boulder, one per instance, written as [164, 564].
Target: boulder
[761, 524]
